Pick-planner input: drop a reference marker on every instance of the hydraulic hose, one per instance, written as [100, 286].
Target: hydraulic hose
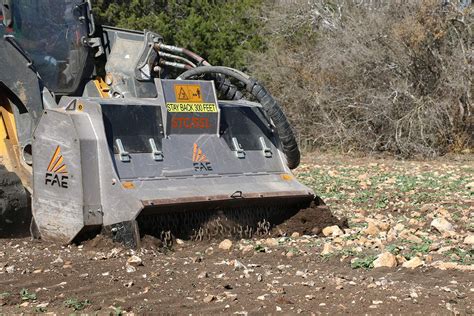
[269, 104]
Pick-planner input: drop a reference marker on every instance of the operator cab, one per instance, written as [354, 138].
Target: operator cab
[53, 33]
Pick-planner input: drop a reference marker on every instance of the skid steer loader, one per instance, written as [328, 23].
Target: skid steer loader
[114, 131]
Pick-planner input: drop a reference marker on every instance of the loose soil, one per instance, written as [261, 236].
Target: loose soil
[269, 275]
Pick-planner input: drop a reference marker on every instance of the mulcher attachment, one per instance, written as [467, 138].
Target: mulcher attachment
[180, 166]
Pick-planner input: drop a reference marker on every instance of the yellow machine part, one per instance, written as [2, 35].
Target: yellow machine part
[102, 87]
[10, 151]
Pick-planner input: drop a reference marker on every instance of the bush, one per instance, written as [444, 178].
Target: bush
[221, 31]
[396, 78]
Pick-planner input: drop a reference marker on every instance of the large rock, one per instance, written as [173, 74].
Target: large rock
[332, 231]
[385, 259]
[413, 263]
[442, 225]
[226, 244]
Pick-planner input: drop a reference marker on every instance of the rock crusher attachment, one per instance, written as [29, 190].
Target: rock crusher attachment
[113, 130]
[183, 165]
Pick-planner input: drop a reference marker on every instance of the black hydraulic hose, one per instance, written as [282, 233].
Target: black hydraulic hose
[269, 104]
[227, 90]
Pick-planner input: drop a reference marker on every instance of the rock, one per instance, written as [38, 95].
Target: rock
[239, 266]
[179, 241]
[209, 298]
[226, 244]
[328, 248]
[134, 261]
[10, 269]
[385, 259]
[453, 266]
[113, 253]
[203, 275]
[332, 231]
[414, 239]
[247, 248]
[469, 240]
[57, 262]
[442, 225]
[290, 254]
[385, 227]
[130, 269]
[316, 230]
[371, 229]
[295, 235]
[271, 242]
[413, 263]
[400, 259]
[128, 284]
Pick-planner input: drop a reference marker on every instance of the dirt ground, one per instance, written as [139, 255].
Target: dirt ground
[400, 240]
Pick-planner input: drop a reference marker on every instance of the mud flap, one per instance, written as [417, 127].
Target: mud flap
[126, 233]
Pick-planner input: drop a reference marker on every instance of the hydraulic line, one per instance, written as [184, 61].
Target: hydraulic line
[269, 104]
[176, 57]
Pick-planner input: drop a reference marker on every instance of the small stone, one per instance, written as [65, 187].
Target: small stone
[295, 235]
[310, 297]
[414, 239]
[10, 269]
[209, 298]
[385, 227]
[470, 186]
[134, 261]
[57, 262]
[469, 240]
[290, 254]
[226, 244]
[413, 263]
[271, 242]
[203, 275]
[128, 284]
[400, 259]
[371, 229]
[442, 225]
[328, 248]
[130, 269]
[247, 248]
[332, 231]
[239, 266]
[385, 259]
[261, 297]
[179, 241]
[113, 253]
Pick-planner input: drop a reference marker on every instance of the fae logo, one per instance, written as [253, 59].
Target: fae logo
[57, 174]
[200, 161]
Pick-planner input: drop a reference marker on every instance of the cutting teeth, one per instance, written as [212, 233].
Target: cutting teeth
[211, 224]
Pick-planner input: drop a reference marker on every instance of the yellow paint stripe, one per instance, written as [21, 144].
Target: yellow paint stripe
[58, 164]
[62, 169]
[55, 156]
[194, 152]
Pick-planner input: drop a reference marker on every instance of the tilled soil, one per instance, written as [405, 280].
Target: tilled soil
[315, 263]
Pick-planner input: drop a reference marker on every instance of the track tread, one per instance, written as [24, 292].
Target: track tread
[13, 197]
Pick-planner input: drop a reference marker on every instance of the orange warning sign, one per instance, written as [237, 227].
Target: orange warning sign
[188, 93]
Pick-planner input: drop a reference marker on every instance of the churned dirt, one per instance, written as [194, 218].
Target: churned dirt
[326, 259]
